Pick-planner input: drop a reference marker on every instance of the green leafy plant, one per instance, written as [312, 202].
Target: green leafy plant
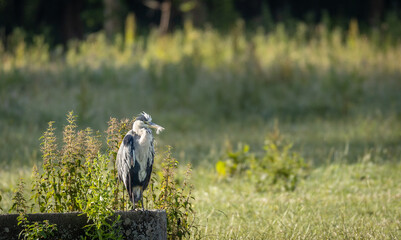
[36, 230]
[235, 163]
[96, 204]
[31, 230]
[278, 167]
[76, 177]
[176, 198]
[19, 201]
[59, 186]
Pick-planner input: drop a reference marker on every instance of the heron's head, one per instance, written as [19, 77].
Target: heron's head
[144, 120]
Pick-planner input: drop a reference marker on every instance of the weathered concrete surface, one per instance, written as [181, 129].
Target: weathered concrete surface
[148, 224]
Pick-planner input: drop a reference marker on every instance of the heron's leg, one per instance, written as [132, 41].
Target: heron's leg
[143, 205]
[133, 200]
[123, 200]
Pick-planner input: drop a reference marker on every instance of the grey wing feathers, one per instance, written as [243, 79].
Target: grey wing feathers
[125, 158]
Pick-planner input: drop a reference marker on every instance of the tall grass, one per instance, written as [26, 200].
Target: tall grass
[311, 71]
[201, 83]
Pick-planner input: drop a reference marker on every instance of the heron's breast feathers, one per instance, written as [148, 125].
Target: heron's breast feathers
[144, 154]
[144, 158]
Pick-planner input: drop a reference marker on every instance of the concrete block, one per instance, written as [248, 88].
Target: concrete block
[148, 224]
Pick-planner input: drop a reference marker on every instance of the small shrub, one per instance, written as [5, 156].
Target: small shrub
[19, 201]
[59, 187]
[36, 230]
[96, 204]
[278, 167]
[31, 230]
[165, 193]
[235, 163]
[76, 177]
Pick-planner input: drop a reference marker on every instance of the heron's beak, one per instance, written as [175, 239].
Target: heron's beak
[158, 128]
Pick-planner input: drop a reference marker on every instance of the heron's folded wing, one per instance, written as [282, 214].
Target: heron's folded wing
[125, 158]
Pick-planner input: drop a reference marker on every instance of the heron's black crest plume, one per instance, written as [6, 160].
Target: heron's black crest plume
[143, 116]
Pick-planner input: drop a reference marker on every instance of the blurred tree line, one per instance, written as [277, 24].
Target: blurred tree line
[61, 20]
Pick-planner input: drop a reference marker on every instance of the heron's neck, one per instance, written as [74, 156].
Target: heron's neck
[145, 136]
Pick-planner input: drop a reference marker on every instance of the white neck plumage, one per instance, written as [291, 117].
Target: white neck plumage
[145, 136]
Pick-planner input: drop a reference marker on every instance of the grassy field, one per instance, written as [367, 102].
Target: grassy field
[335, 95]
[339, 201]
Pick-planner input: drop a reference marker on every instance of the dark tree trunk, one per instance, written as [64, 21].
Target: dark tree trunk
[376, 10]
[72, 24]
[112, 22]
[165, 16]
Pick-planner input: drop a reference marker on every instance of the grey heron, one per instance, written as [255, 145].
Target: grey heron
[135, 157]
